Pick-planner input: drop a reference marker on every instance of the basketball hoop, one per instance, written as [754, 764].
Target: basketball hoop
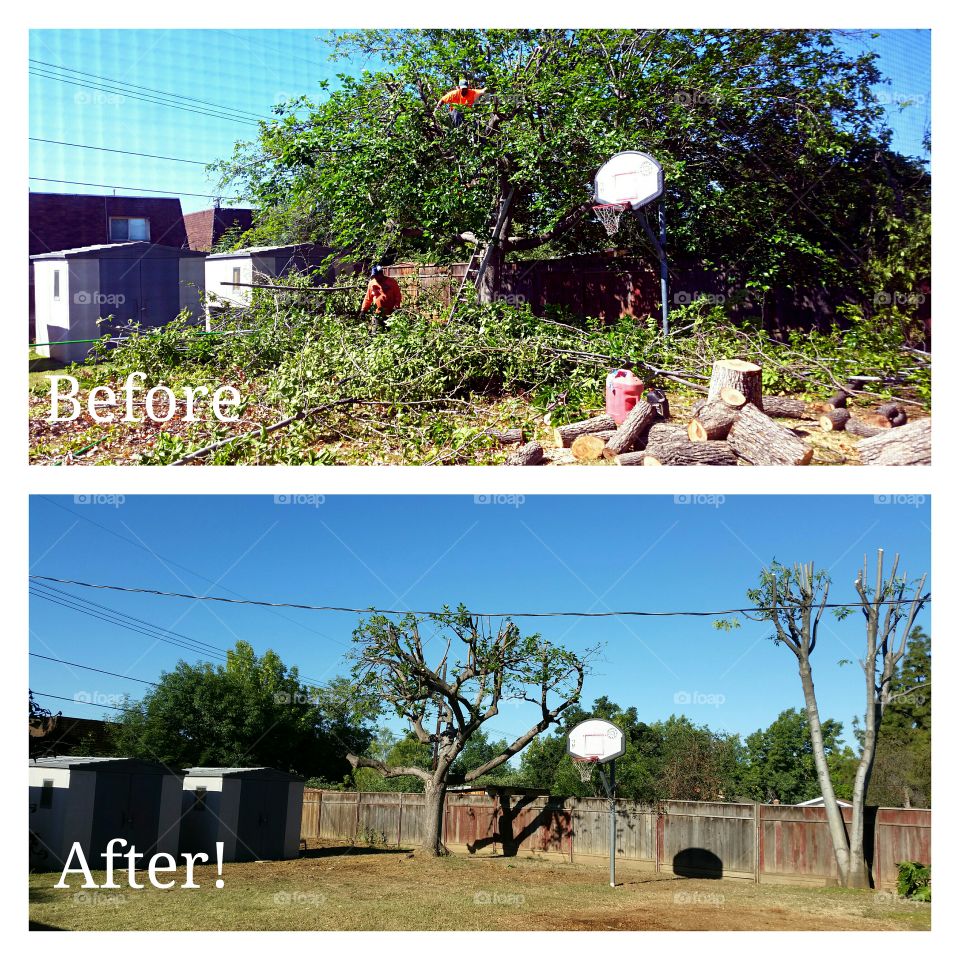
[585, 767]
[609, 215]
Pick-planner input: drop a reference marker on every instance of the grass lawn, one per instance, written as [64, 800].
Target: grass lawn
[337, 887]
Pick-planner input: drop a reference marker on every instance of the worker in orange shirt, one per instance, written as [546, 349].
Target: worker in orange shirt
[460, 96]
[383, 294]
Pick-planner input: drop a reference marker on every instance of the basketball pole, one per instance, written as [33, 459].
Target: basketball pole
[610, 786]
[659, 244]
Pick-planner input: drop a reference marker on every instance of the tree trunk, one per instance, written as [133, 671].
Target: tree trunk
[565, 435]
[434, 795]
[530, 455]
[632, 433]
[836, 419]
[712, 422]
[589, 446]
[860, 429]
[761, 441]
[788, 407]
[741, 376]
[505, 437]
[489, 287]
[838, 831]
[669, 446]
[898, 446]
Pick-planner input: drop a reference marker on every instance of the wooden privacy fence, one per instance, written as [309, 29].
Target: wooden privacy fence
[751, 841]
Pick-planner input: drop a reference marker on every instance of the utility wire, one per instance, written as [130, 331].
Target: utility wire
[433, 613]
[116, 186]
[83, 666]
[129, 153]
[54, 696]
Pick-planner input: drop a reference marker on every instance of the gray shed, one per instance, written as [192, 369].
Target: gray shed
[137, 282]
[255, 811]
[91, 800]
[227, 272]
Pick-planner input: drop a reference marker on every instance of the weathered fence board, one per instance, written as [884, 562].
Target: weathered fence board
[709, 839]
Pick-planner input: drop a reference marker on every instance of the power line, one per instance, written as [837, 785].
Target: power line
[54, 696]
[117, 186]
[129, 153]
[83, 666]
[434, 613]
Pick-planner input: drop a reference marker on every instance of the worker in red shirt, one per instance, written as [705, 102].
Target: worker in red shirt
[460, 96]
[383, 294]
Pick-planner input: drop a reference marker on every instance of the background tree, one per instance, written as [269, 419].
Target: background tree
[793, 600]
[253, 711]
[772, 143]
[482, 667]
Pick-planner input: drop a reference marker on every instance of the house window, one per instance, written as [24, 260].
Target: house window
[129, 228]
[236, 276]
[56, 284]
[200, 798]
[46, 795]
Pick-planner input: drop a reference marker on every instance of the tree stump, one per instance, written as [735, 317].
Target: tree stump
[759, 440]
[712, 422]
[899, 447]
[835, 419]
[788, 407]
[631, 434]
[530, 455]
[565, 435]
[589, 446]
[739, 376]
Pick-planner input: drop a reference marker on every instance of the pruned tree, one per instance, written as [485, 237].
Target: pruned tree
[793, 599]
[481, 666]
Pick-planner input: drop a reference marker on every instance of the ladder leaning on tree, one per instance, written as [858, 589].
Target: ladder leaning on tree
[474, 273]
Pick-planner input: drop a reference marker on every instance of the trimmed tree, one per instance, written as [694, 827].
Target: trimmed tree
[481, 667]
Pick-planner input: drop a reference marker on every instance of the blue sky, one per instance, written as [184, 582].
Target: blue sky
[534, 553]
[245, 72]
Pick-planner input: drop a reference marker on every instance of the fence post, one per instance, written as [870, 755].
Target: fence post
[356, 825]
[400, 822]
[320, 817]
[756, 843]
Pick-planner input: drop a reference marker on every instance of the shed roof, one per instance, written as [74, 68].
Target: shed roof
[270, 251]
[119, 764]
[118, 251]
[251, 773]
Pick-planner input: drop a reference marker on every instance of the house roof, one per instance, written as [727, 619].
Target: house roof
[62, 221]
[206, 227]
[252, 773]
[117, 251]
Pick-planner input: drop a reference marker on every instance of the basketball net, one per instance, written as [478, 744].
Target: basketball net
[585, 767]
[609, 215]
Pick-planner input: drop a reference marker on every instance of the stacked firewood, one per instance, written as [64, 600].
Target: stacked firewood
[735, 423]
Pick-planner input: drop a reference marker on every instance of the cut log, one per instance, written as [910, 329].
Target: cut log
[732, 397]
[505, 437]
[835, 419]
[565, 435]
[632, 433]
[894, 413]
[860, 429]
[632, 459]
[761, 441]
[712, 422]
[739, 375]
[839, 399]
[678, 451]
[530, 455]
[788, 407]
[590, 446]
[899, 447]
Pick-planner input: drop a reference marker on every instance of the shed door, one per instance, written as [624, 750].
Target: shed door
[128, 806]
[262, 819]
[119, 293]
[159, 291]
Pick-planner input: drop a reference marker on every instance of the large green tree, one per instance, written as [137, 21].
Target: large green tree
[252, 711]
[778, 164]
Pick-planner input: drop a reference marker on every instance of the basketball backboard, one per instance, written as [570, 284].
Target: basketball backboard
[628, 177]
[598, 739]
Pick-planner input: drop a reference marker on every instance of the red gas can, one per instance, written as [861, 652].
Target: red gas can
[624, 389]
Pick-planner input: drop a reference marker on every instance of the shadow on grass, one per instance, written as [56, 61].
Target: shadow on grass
[318, 852]
[37, 925]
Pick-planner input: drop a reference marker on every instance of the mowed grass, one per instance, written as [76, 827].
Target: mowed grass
[336, 887]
